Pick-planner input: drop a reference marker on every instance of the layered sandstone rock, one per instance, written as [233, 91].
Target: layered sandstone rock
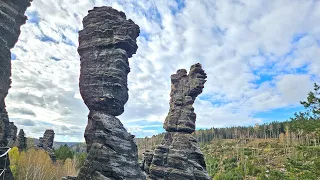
[146, 162]
[22, 141]
[179, 155]
[11, 18]
[105, 44]
[46, 143]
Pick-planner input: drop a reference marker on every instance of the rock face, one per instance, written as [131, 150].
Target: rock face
[146, 162]
[46, 143]
[22, 141]
[105, 44]
[179, 155]
[12, 135]
[11, 18]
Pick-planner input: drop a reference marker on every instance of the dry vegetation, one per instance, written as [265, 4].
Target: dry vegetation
[36, 164]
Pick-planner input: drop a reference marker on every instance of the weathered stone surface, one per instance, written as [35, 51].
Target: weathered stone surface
[184, 90]
[46, 143]
[111, 151]
[22, 141]
[146, 162]
[12, 135]
[11, 18]
[179, 155]
[105, 44]
[48, 138]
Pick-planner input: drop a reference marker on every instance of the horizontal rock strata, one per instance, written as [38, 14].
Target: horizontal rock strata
[179, 155]
[11, 18]
[105, 44]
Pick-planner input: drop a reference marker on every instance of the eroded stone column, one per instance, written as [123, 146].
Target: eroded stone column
[46, 143]
[179, 155]
[106, 42]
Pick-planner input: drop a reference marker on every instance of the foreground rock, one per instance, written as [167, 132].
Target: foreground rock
[179, 156]
[105, 44]
[22, 141]
[11, 18]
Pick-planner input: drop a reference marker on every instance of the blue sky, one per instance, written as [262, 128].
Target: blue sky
[261, 57]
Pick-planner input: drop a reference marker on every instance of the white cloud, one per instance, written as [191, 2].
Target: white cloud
[294, 88]
[237, 42]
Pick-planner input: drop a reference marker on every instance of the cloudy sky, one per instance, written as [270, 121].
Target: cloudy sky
[261, 58]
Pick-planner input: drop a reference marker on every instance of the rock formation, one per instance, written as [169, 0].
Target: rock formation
[48, 138]
[105, 44]
[12, 135]
[11, 18]
[22, 141]
[179, 155]
[146, 162]
[46, 143]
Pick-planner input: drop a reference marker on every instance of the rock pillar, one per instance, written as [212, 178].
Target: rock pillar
[106, 42]
[179, 155]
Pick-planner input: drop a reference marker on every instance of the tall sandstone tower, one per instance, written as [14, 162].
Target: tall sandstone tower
[179, 157]
[106, 42]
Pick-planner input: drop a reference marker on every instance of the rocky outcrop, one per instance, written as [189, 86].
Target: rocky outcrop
[22, 141]
[46, 143]
[105, 44]
[11, 18]
[179, 155]
[12, 135]
[48, 138]
[146, 162]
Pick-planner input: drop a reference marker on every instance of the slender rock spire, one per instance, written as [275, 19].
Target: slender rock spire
[179, 155]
